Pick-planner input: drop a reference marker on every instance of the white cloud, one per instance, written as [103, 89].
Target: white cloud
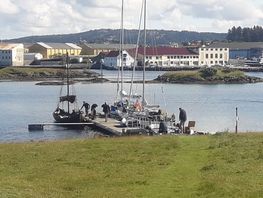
[38, 17]
[8, 7]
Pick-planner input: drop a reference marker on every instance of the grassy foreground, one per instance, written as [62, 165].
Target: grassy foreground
[171, 166]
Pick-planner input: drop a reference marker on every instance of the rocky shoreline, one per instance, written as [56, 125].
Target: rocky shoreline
[48, 76]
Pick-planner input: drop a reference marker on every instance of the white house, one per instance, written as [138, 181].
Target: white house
[210, 56]
[169, 56]
[11, 54]
[113, 59]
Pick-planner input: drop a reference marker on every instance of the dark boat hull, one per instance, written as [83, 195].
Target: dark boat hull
[67, 118]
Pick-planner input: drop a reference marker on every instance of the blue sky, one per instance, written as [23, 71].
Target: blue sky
[20, 18]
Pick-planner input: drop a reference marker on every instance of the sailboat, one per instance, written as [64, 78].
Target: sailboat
[67, 110]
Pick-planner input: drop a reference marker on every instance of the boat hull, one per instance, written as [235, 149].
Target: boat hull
[67, 118]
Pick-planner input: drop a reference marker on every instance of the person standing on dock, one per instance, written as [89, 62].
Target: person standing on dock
[106, 110]
[86, 106]
[93, 111]
[182, 118]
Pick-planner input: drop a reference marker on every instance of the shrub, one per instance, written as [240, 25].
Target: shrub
[208, 72]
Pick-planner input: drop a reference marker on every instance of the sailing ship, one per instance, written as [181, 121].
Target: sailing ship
[67, 110]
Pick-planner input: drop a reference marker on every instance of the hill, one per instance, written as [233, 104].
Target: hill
[155, 37]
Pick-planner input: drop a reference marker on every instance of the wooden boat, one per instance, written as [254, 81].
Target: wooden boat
[67, 110]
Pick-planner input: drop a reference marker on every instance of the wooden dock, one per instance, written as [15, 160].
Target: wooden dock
[40, 126]
[111, 127]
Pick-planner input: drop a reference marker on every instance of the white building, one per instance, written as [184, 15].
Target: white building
[169, 56]
[11, 54]
[210, 56]
[113, 59]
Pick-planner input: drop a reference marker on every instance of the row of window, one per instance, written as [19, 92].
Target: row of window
[171, 57]
[6, 57]
[212, 49]
[216, 62]
[212, 56]
[5, 51]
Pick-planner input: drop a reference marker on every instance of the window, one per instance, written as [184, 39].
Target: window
[221, 55]
[202, 49]
[211, 62]
[216, 55]
[211, 56]
[206, 56]
[168, 57]
[211, 49]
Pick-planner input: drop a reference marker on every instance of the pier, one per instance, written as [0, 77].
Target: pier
[40, 126]
[111, 127]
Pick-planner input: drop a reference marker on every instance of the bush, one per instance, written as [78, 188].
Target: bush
[208, 72]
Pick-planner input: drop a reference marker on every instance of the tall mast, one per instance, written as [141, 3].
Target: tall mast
[144, 54]
[67, 69]
[122, 41]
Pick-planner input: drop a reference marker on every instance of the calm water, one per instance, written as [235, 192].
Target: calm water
[211, 106]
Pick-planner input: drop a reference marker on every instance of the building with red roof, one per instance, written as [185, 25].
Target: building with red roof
[168, 56]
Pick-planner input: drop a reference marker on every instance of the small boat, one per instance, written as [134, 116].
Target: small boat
[67, 110]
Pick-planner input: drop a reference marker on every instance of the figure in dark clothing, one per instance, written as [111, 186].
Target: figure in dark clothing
[182, 118]
[86, 106]
[106, 110]
[163, 127]
[93, 111]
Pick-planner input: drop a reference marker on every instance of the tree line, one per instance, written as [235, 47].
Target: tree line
[254, 34]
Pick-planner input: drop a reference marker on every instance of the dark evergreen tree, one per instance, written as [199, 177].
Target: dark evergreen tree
[246, 34]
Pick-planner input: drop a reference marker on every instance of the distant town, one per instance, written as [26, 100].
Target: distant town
[107, 55]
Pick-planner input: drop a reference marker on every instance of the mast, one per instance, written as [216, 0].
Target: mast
[67, 70]
[144, 54]
[122, 42]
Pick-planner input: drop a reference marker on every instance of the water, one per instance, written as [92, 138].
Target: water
[211, 106]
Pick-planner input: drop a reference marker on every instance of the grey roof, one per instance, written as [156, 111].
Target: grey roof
[237, 45]
[108, 46]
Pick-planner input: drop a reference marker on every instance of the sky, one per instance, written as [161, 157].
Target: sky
[19, 18]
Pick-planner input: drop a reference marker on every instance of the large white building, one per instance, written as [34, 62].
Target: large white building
[11, 54]
[169, 56]
[113, 59]
[210, 56]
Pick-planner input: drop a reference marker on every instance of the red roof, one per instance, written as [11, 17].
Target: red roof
[153, 51]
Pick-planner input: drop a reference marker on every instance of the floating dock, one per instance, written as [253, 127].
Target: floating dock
[40, 126]
[111, 127]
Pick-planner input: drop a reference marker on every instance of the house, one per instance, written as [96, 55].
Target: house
[113, 59]
[209, 56]
[242, 50]
[169, 56]
[51, 50]
[11, 54]
[93, 49]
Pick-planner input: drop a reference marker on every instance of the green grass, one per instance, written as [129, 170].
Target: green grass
[22, 72]
[165, 166]
[221, 75]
